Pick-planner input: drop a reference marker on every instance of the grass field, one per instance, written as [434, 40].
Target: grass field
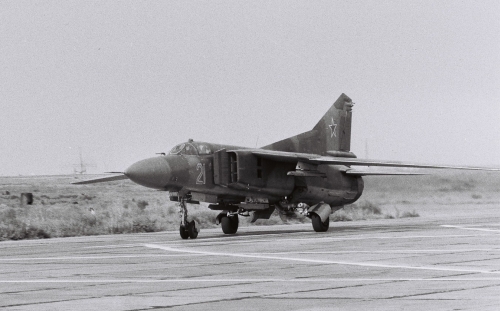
[61, 210]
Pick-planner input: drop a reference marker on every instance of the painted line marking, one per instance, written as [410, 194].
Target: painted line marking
[468, 228]
[272, 253]
[413, 251]
[302, 280]
[362, 264]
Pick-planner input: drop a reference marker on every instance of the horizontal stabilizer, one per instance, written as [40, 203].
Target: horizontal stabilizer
[101, 179]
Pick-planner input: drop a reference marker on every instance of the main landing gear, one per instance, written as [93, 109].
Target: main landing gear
[318, 225]
[229, 221]
[319, 213]
[229, 224]
[187, 228]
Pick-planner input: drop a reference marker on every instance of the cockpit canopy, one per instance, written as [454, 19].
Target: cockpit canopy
[192, 148]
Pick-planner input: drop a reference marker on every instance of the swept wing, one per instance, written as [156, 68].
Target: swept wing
[314, 159]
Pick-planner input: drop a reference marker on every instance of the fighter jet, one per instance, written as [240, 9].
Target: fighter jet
[313, 173]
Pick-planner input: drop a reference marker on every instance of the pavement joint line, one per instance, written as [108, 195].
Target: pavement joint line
[319, 261]
[321, 239]
[114, 246]
[299, 280]
[93, 257]
[245, 239]
[248, 239]
[469, 228]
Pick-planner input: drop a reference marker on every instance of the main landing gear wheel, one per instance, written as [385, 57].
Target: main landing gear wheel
[319, 226]
[229, 224]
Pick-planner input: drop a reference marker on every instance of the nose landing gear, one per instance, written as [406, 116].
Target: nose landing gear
[187, 228]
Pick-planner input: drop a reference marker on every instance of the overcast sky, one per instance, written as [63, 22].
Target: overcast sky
[125, 79]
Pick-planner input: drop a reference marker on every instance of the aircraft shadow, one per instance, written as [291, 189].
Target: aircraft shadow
[335, 229]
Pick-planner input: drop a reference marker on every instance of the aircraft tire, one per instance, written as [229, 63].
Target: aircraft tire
[319, 226]
[229, 224]
[183, 232]
[236, 222]
[191, 230]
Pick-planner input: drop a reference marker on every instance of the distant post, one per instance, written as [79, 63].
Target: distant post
[26, 198]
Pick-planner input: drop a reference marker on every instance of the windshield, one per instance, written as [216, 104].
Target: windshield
[177, 149]
[185, 148]
[192, 149]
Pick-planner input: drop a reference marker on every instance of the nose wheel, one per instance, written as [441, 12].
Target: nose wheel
[187, 229]
[183, 232]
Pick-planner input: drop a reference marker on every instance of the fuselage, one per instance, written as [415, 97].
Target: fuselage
[216, 173]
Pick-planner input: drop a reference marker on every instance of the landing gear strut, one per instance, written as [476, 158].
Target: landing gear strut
[187, 228]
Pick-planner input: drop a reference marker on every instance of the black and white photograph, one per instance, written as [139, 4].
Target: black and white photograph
[249, 155]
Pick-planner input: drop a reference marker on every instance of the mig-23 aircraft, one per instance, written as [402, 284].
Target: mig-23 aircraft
[313, 173]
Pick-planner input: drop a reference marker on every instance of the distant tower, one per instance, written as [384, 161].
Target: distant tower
[81, 168]
[366, 148]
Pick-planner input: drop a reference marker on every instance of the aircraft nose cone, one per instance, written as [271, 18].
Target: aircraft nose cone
[153, 172]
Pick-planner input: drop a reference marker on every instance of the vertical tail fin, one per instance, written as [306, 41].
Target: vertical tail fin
[335, 126]
[332, 133]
